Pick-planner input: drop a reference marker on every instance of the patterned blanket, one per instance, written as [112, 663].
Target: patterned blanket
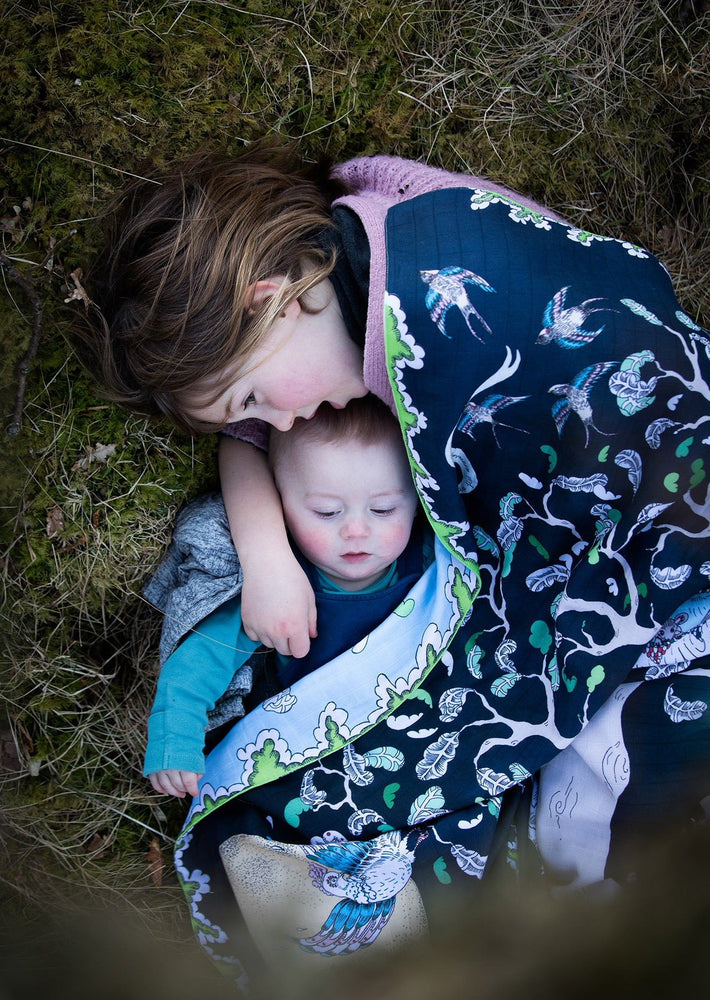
[555, 404]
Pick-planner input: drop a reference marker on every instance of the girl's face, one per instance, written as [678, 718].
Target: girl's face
[305, 359]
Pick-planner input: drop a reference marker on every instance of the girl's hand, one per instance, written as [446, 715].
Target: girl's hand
[278, 606]
[172, 782]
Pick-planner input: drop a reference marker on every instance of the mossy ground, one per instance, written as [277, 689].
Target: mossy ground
[599, 110]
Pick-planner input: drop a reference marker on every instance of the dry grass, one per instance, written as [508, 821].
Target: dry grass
[598, 109]
[580, 108]
[79, 662]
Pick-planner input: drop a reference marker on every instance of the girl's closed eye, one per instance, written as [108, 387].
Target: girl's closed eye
[325, 514]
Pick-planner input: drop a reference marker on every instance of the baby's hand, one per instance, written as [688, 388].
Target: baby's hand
[172, 782]
[279, 608]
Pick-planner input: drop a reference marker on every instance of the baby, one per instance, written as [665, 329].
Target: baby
[349, 505]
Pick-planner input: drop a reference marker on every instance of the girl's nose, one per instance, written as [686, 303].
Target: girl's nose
[282, 420]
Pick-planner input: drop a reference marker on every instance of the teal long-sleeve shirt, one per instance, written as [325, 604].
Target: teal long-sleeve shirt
[191, 681]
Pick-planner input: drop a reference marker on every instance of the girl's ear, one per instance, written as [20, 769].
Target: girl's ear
[260, 291]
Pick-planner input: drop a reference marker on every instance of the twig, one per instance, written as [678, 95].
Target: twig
[98, 800]
[54, 245]
[15, 424]
[75, 156]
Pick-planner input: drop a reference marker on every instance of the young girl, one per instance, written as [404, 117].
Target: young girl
[208, 273]
[554, 402]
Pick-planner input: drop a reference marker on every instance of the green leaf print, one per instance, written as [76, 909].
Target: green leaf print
[293, 810]
[267, 764]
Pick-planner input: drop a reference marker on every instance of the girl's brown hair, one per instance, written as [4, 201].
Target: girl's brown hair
[169, 292]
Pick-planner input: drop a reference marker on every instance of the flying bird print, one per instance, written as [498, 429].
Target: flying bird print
[575, 398]
[563, 326]
[447, 289]
[484, 413]
[367, 875]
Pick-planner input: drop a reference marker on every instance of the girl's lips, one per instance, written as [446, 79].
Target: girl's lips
[355, 557]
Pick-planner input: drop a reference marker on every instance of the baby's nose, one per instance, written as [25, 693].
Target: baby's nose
[355, 527]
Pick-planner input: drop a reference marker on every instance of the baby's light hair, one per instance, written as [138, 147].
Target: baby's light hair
[366, 420]
[170, 295]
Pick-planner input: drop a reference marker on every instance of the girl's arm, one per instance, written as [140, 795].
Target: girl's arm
[278, 606]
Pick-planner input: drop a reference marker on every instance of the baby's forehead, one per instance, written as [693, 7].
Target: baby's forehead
[351, 467]
[316, 447]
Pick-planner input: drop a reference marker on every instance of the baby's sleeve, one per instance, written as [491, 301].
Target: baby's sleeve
[191, 681]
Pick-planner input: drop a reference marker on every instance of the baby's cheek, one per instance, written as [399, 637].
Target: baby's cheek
[312, 542]
[396, 536]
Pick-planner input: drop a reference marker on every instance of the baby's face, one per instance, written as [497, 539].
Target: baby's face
[348, 506]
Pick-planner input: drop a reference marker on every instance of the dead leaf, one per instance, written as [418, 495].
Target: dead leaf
[78, 291]
[9, 751]
[156, 865]
[12, 224]
[101, 453]
[24, 740]
[97, 846]
[55, 522]
[75, 542]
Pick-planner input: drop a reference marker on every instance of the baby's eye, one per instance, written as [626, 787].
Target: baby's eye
[249, 401]
[325, 514]
[383, 511]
